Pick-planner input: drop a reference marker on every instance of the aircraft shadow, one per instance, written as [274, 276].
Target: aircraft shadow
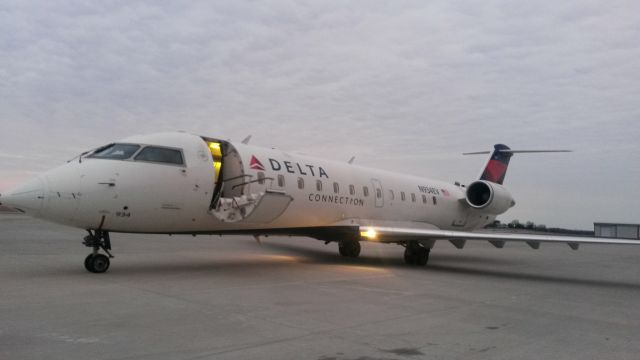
[273, 259]
[456, 264]
[330, 256]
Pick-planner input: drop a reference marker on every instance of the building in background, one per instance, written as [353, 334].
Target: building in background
[613, 230]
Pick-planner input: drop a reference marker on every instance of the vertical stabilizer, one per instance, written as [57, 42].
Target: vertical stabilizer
[496, 167]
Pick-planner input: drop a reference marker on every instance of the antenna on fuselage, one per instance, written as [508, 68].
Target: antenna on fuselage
[351, 160]
[246, 140]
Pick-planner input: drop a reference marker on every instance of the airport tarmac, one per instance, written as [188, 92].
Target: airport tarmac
[208, 297]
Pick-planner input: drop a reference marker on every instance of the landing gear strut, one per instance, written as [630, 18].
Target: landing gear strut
[96, 262]
[416, 254]
[349, 248]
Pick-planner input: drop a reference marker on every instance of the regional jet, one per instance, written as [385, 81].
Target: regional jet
[180, 183]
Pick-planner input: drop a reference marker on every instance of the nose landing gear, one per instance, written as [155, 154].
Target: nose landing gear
[96, 262]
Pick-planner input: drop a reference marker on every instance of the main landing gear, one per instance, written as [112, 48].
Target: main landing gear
[416, 254]
[96, 262]
[349, 248]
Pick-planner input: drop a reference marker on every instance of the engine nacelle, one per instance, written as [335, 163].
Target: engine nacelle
[489, 197]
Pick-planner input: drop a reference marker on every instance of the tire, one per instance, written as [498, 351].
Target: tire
[87, 263]
[422, 256]
[409, 257]
[416, 255]
[355, 249]
[342, 249]
[349, 248]
[99, 263]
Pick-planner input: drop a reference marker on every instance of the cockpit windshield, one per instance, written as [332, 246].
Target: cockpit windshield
[115, 151]
[160, 155]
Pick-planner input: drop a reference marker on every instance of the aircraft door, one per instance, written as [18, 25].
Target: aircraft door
[233, 200]
[378, 194]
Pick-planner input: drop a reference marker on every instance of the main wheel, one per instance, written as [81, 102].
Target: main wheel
[409, 256]
[416, 255]
[349, 248]
[98, 263]
[422, 256]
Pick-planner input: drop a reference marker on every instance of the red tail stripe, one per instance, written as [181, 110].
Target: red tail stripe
[495, 171]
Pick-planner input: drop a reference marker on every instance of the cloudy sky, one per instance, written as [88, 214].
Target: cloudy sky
[403, 85]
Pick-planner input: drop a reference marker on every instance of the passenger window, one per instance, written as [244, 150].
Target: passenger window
[365, 190]
[300, 183]
[336, 187]
[352, 190]
[319, 185]
[160, 155]
[413, 197]
[391, 195]
[260, 177]
[402, 196]
[434, 201]
[379, 193]
[115, 151]
[424, 198]
[281, 180]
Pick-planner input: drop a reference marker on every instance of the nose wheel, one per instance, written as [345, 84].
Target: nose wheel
[96, 262]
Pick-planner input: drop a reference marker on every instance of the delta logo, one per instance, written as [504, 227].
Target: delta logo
[288, 166]
[255, 164]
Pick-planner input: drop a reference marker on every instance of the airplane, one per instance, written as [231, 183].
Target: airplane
[181, 183]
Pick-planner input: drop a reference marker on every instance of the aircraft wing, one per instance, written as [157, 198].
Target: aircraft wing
[498, 239]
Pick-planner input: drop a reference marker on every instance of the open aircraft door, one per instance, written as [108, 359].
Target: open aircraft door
[233, 201]
[261, 208]
[269, 207]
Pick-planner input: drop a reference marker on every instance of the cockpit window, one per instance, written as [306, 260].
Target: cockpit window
[160, 155]
[115, 151]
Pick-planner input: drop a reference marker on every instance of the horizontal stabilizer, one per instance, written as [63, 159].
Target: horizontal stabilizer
[496, 167]
[517, 152]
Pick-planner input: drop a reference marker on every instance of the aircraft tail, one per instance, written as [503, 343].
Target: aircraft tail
[496, 167]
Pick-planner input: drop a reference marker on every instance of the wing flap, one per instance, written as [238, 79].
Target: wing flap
[499, 244]
[535, 245]
[458, 243]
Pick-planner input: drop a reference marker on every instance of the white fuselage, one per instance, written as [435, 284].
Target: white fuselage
[152, 197]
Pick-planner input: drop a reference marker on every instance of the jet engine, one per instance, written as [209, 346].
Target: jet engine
[489, 197]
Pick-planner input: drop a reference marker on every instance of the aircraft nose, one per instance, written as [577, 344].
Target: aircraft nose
[27, 197]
